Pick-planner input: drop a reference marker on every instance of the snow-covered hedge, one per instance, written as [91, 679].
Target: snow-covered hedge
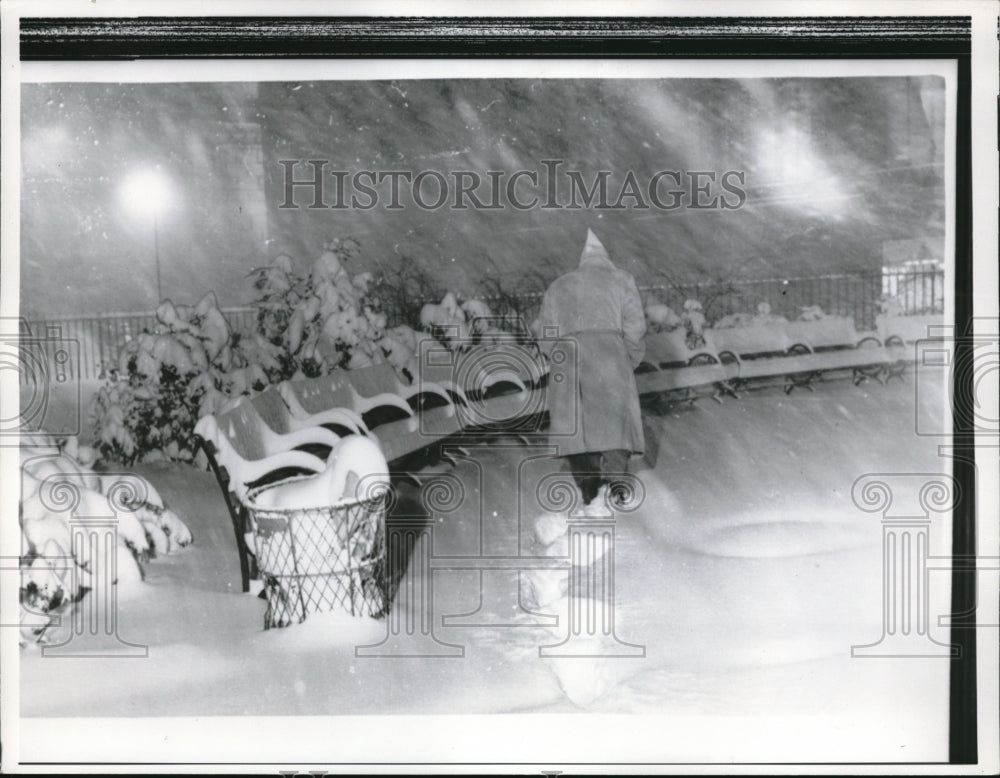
[662, 318]
[323, 319]
[167, 379]
[56, 573]
[192, 364]
[762, 318]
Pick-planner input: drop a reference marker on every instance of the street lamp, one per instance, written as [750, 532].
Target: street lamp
[147, 193]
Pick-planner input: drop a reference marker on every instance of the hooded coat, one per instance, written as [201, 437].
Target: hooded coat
[598, 322]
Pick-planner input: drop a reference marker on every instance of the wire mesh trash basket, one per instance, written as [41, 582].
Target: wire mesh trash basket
[314, 560]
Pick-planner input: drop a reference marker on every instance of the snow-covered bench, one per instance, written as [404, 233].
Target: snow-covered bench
[670, 366]
[276, 411]
[908, 329]
[289, 429]
[755, 340]
[830, 332]
[793, 353]
[670, 349]
[365, 394]
[245, 453]
[801, 369]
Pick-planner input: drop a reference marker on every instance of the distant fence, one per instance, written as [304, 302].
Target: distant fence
[81, 348]
[94, 342]
[857, 295]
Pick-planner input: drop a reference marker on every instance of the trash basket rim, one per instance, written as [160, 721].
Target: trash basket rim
[250, 501]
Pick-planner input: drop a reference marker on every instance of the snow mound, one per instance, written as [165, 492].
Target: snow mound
[325, 630]
[550, 527]
[58, 573]
[776, 536]
[356, 469]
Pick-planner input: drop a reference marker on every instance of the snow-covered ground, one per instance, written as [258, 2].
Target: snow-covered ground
[747, 574]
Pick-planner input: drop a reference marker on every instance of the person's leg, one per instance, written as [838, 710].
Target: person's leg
[614, 462]
[586, 468]
[579, 467]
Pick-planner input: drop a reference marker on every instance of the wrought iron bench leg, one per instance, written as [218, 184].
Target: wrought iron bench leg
[806, 382]
[236, 516]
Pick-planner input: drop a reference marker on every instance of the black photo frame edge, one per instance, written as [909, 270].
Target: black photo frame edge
[935, 37]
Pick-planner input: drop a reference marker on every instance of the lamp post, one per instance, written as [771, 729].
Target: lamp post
[156, 251]
[147, 193]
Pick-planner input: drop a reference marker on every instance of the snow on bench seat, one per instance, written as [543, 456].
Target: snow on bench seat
[769, 338]
[866, 361]
[828, 332]
[244, 452]
[275, 411]
[398, 440]
[910, 329]
[340, 390]
[369, 392]
[249, 450]
[670, 349]
[680, 378]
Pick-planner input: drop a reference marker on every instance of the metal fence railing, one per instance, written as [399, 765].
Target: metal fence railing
[82, 347]
[858, 295]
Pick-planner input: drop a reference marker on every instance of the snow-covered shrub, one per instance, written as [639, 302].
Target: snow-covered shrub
[55, 572]
[446, 321]
[192, 364]
[694, 324]
[765, 317]
[660, 317]
[471, 323]
[811, 313]
[514, 301]
[167, 379]
[733, 320]
[321, 320]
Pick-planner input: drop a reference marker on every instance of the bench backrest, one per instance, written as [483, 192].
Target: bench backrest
[671, 348]
[334, 390]
[272, 409]
[240, 425]
[825, 332]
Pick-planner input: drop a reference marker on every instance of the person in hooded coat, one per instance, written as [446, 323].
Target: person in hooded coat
[592, 327]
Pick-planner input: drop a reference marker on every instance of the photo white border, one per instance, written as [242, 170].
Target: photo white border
[432, 738]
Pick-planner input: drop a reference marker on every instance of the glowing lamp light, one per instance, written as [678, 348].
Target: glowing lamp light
[799, 175]
[147, 192]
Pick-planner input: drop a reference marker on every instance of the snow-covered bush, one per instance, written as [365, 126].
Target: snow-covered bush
[471, 323]
[321, 320]
[167, 379]
[694, 324]
[811, 313]
[57, 573]
[446, 321]
[191, 364]
[660, 317]
[765, 317]
[514, 301]
[732, 320]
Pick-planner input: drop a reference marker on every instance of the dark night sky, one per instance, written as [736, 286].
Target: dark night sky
[833, 169]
